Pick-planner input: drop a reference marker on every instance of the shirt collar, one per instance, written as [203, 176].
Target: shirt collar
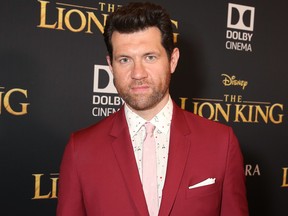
[162, 120]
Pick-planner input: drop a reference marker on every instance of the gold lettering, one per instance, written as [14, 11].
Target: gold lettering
[1, 93]
[82, 17]
[246, 113]
[233, 98]
[285, 181]
[239, 98]
[250, 113]
[102, 4]
[271, 111]
[7, 105]
[195, 107]
[214, 113]
[111, 7]
[86, 21]
[43, 23]
[258, 110]
[211, 108]
[54, 187]
[175, 35]
[183, 100]
[220, 109]
[91, 16]
[60, 18]
[37, 188]
[239, 113]
[50, 195]
[228, 81]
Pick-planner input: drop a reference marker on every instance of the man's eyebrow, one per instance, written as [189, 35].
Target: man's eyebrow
[121, 56]
[152, 53]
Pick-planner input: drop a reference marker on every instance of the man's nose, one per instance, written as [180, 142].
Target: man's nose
[138, 71]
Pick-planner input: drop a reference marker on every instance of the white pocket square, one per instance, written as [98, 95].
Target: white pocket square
[208, 181]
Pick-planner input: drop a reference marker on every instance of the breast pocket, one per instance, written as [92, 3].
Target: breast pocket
[203, 191]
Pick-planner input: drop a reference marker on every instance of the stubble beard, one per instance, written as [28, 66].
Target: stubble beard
[141, 102]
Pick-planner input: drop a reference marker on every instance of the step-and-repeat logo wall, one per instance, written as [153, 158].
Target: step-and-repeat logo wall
[237, 102]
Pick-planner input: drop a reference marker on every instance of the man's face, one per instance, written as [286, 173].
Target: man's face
[141, 68]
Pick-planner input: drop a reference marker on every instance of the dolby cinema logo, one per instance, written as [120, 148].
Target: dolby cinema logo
[240, 27]
[105, 97]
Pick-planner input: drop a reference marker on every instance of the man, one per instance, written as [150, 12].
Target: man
[198, 166]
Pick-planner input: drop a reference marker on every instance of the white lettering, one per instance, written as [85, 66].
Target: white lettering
[99, 111]
[108, 86]
[252, 170]
[237, 35]
[107, 100]
[238, 46]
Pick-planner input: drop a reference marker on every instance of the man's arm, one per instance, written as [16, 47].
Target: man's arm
[70, 200]
[234, 200]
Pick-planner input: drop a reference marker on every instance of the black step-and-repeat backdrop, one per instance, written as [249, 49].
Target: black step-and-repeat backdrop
[55, 80]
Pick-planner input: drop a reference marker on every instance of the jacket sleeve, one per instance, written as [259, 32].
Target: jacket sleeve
[70, 199]
[234, 201]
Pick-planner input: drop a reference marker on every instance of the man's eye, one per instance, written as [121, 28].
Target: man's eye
[150, 58]
[123, 60]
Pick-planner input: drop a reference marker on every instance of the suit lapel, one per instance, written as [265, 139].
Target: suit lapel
[178, 154]
[124, 154]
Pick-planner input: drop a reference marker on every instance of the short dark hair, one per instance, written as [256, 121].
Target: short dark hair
[137, 16]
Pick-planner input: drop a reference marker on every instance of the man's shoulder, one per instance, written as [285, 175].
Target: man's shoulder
[102, 127]
[194, 120]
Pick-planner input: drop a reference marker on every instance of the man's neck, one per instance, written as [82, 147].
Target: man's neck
[148, 114]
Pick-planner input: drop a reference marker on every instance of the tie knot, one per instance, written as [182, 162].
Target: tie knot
[149, 128]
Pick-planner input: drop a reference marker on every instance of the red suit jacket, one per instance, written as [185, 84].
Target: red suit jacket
[99, 175]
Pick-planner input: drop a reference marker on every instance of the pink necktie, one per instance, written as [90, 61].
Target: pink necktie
[150, 171]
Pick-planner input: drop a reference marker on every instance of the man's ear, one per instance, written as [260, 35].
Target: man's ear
[109, 61]
[174, 59]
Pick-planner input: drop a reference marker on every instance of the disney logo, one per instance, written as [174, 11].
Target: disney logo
[232, 81]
